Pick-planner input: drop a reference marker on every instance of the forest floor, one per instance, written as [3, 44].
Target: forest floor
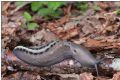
[97, 28]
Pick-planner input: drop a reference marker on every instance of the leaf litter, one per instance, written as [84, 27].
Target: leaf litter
[98, 31]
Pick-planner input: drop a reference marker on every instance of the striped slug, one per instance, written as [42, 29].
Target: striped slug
[55, 52]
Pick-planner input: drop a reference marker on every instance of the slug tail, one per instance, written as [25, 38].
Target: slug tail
[96, 65]
[99, 61]
[96, 69]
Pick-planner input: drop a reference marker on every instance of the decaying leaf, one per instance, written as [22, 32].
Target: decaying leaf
[116, 76]
[86, 76]
[62, 33]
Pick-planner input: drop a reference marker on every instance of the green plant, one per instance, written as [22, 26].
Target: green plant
[96, 8]
[35, 6]
[83, 6]
[27, 16]
[118, 12]
[44, 8]
[30, 25]
[47, 9]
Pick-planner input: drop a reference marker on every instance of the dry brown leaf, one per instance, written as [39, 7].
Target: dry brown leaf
[5, 5]
[63, 20]
[8, 30]
[42, 35]
[86, 76]
[3, 68]
[91, 42]
[116, 76]
[67, 10]
[102, 44]
[69, 33]
[62, 33]
[10, 56]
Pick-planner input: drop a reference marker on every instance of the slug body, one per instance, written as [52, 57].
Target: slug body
[46, 55]
[54, 52]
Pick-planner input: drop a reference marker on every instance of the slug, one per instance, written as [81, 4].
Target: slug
[55, 52]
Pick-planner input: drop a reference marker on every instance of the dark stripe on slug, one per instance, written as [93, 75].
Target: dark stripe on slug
[22, 50]
[30, 53]
[51, 46]
[34, 53]
[43, 46]
[37, 51]
[41, 52]
[27, 52]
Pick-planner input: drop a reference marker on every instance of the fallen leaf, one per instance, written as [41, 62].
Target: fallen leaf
[116, 76]
[86, 76]
[64, 33]
[5, 5]
[63, 20]
[10, 56]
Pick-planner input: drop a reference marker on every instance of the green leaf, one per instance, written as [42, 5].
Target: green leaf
[45, 11]
[36, 5]
[96, 8]
[83, 6]
[118, 12]
[48, 9]
[27, 16]
[56, 14]
[55, 5]
[19, 3]
[32, 26]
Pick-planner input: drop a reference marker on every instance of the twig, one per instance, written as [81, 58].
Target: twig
[19, 7]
